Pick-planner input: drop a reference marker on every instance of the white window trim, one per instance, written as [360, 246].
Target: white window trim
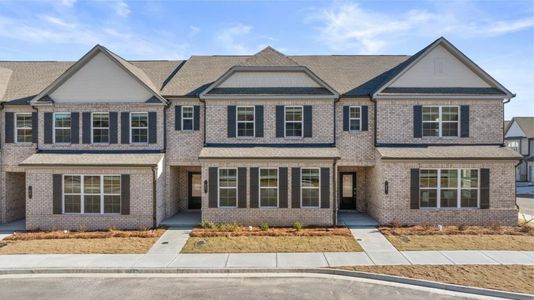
[131, 129]
[310, 188]
[301, 122]
[192, 118]
[517, 144]
[219, 188]
[54, 127]
[253, 122]
[277, 187]
[17, 128]
[440, 122]
[359, 119]
[82, 194]
[458, 189]
[93, 128]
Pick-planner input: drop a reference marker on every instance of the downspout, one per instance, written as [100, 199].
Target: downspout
[204, 118]
[515, 184]
[334, 165]
[154, 196]
[375, 124]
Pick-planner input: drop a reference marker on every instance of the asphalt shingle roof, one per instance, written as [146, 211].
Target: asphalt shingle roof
[93, 159]
[526, 124]
[448, 152]
[268, 153]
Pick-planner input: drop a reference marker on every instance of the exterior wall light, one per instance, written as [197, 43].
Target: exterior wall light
[386, 187]
[30, 193]
[205, 186]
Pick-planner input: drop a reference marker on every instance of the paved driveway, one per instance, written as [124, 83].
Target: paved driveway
[178, 287]
[526, 205]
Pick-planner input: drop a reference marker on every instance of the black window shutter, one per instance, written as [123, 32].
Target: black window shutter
[152, 127]
[57, 190]
[213, 180]
[125, 127]
[86, 128]
[258, 120]
[113, 127]
[417, 121]
[365, 118]
[242, 187]
[178, 117]
[414, 188]
[464, 121]
[282, 186]
[75, 128]
[10, 127]
[254, 188]
[346, 123]
[125, 194]
[295, 187]
[48, 128]
[484, 188]
[308, 121]
[325, 187]
[231, 121]
[196, 117]
[35, 127]
[279, 121]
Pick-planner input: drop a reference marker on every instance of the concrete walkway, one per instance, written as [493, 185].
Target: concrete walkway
[172, 241]
[7, 229]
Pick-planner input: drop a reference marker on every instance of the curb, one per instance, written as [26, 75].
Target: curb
[322, 271]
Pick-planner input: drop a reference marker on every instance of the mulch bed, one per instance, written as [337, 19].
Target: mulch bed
[457, 230]
[275, 231]
[65, 234]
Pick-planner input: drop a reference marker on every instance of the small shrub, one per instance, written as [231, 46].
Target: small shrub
[207, 224]
[395, 223]
[496, 227]
[298, 226]
[228, 227]
[462, 227]
[427, 226]
[264, 227]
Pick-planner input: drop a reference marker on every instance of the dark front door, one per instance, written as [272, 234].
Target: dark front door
[348, 190]
[195, 182]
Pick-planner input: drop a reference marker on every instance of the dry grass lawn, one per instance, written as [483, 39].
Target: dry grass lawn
[514, 278]
[240, 244]
[462, 242]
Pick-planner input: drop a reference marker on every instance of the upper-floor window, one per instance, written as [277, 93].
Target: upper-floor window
[227, 187]
[293, 121]
[23, 123]
[100, 127]
[514, 145]
[139, 128]
[309, 187]
[268, 187]
[187, 117]
[448, 188]
[97, 194]
[355, 118]
[440, 121]
[62, 127]
[245, 121]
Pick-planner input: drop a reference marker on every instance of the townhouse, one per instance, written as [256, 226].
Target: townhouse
[519, 136]
[104, 142]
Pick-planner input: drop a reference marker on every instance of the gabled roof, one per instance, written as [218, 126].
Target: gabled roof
[268, 57]
[390, 76]
[525, 123]
[132, 70]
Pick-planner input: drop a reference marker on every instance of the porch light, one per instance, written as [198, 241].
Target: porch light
[205, 186]
[386, 187]
[30, 191]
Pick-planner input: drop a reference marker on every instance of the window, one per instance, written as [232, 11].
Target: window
[440, 121]
[139, 128]
[100, 128]
[268, 187]
[227, 187]
[355, 119]
[187, 118]
[101, 194]
[309, 187]
[293, 121]
[23, 123]
[245, 121]
[62, 123]
[448, 188]
[514, 145]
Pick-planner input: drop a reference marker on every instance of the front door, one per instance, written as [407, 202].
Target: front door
[348, 191]
[195, 189]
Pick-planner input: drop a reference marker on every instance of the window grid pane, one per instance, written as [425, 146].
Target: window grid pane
[100, 194]
[293, 124]
[62, 125]
[268, 187]
[457, 188]
[245, 121]
[227, 187]
[23, 124]
[310, 187]
[139, 127]
[100, 127]
[187, 118]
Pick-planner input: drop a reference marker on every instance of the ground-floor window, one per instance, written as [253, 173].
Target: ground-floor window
[310, 187]
[227, 187]
[91, 194]
[268, 187]
[449, 188]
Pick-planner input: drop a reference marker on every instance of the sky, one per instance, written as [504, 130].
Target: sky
[497, 35]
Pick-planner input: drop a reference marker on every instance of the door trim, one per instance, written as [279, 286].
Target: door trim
[354, 190]
[190, 191]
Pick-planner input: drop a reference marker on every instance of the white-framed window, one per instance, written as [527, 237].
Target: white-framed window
[91, 194]
[139, 128]
[62, 127]
[310, 187]
[513, 144]
[187, 118]
[23, 128]
[100, 127]
[293, 121]
[355, 118]
[441, 121]
[227, 187]
[245, 121]
[268, 187]
[446, 188]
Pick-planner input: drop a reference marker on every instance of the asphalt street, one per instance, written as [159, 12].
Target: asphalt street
[526, 205]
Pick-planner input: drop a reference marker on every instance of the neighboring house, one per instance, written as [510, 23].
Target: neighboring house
[270, 138]
[519, 136]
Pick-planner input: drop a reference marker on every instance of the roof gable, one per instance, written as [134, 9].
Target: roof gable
[514, 130]
[524, 124]
[268, 57]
